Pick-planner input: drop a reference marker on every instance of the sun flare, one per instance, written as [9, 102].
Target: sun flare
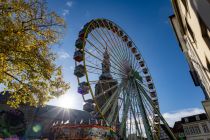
[66, 101]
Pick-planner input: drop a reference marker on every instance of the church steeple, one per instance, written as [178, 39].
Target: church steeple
[106, 66]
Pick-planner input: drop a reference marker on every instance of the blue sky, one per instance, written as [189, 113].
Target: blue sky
[147, 23]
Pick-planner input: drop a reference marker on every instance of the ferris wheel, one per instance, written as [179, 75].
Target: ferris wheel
[115, 82]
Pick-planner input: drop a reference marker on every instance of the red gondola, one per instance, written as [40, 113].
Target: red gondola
[78, 56]
[134, 50]
[82, 33]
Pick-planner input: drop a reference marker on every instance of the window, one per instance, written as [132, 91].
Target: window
[197, 129]
[197, 118]
[192, 130]
[186, 131]
[205, 128]
[186, 119]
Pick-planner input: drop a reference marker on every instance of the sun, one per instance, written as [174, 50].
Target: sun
[66, 101]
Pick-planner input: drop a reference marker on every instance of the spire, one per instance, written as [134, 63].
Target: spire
[106, 66]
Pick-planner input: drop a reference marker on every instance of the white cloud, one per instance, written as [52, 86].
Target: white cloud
[69, 3]
[65, 12]
[63, 55]
[172, 117]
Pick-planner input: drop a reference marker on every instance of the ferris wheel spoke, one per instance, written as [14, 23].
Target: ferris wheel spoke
[124, 117]
[131, 99]
[159, 114]
[110, 101]
[117, 115]
[114, 51]
[129, 54]
[104, 81]
[143, 112]
[96, 48]
[112, 112]
[136, 114]
[106, 91]
[119, 45]
[145, 87]
[121, 74]
[137, 110]
[118, 65]
[115, 68]
[112, 57]
[111, 42]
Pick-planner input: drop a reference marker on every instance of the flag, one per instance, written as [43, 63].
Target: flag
[81, 121]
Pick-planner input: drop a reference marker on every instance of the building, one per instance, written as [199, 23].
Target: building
[178, 131]
[196, 127]
[191, 23]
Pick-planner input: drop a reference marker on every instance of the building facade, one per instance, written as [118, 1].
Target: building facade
[191, 23]
[196, 127]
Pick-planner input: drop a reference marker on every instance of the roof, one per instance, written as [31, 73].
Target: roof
[62, 114]
[178, 128]
[49, 111]
[194, 118]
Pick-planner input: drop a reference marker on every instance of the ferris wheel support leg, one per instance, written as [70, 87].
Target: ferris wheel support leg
[171, 135]
[143, 113]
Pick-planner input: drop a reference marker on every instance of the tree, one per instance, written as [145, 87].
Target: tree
[27, 63]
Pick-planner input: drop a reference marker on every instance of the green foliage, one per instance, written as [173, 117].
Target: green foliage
[27, 69]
